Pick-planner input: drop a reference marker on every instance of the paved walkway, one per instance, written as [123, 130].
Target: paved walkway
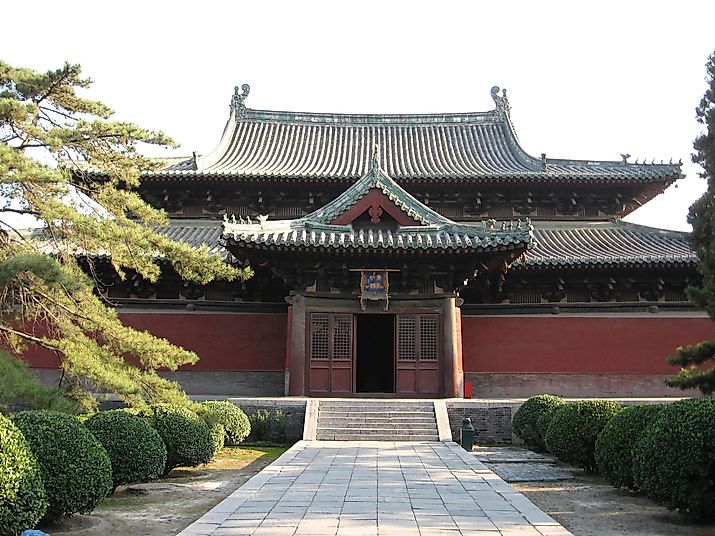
[369, 488]
[516, 464]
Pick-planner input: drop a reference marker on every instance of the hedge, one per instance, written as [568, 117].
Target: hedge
[233, 419]
[186, 436]
[135, 449]
[524, 423]
[75, 468]
[673, 461]
[573, 430]
[614, 446]
[23, 500]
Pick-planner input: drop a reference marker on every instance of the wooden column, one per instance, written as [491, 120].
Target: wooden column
[296, 367]
[453, 381]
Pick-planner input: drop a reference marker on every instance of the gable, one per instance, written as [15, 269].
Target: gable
[377, 205]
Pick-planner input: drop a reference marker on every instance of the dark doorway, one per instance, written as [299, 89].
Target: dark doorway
[375, 356]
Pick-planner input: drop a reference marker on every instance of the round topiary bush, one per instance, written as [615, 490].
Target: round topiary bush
[543, 422]
[573, 430]
[135, 449]
[524, 421]
[23, 500]
[614, 445]
[186, 436]
[75, 468]
[233, 419]
[673, 461]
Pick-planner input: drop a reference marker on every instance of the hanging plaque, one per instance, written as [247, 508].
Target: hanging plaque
[374, 285]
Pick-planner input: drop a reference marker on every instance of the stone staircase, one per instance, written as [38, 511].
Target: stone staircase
[376, 420]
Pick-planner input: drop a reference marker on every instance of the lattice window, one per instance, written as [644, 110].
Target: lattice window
[319, 336]
[406, 337]
[342, 343]
[428, 337]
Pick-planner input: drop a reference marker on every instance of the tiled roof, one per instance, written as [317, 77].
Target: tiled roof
[435, 232]
[605, 244]
[556, 245]
[196, 233]
[468, 146]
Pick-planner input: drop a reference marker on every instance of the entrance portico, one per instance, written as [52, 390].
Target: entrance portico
[375, 278]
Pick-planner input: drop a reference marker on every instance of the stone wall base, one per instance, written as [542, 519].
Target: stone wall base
[598, 385]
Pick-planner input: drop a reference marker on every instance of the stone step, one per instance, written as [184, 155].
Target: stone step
[323, 436]
[386, 427]
[376, 414]
[362, 420]
[386, 403]
[377, 429]
[379, 420]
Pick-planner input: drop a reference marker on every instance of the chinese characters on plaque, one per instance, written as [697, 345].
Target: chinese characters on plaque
[374, 285]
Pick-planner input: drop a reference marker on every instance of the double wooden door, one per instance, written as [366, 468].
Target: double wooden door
[332, 359]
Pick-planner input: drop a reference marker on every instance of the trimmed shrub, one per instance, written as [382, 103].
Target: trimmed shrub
[75, 468]
[186, 436]
[573, 430]
[673, 461]
[525, 419]
[135, 449]
[218, 436]
[269, 427]
[23, 500]
[233, 419]
[543, 422]
[614, 446]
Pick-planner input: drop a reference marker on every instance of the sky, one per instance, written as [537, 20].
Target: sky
[586, 80]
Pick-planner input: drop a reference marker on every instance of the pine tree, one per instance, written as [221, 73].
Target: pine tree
[66, 163]
[693, 359]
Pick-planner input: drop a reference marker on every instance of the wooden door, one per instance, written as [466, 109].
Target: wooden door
[330, 340]
[418, 354]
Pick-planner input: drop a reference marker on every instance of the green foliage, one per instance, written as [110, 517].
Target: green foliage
[614, 446]
[269, 426]
[18, 385]
[543, 422]
[23, 500]
[135, 449]
[218, 436]
[673, 462]
[63, 161]
[233, 419]
[702, 239]
[573, 430]
[75, 468]
[525, 419]
[186, 436]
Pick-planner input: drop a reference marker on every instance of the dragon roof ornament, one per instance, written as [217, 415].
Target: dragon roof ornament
[237, 105]
[502, 110]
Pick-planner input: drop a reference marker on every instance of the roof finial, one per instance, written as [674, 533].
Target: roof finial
[502, 102]
[625, 157]
[237, 105]
[375, 163]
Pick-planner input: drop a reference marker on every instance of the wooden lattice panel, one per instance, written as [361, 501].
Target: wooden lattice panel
[319, 335]
[342, 339]
[428, 337]
[406, 337]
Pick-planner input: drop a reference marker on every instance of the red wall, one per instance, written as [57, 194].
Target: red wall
[577, 344]
[222, 341]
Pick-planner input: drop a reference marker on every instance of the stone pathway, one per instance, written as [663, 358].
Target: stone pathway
[375, 488]
[515, 464]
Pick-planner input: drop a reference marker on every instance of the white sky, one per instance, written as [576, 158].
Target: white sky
[585, 80]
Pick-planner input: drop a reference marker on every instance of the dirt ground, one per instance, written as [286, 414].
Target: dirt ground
[588, 506]
[169, 505]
